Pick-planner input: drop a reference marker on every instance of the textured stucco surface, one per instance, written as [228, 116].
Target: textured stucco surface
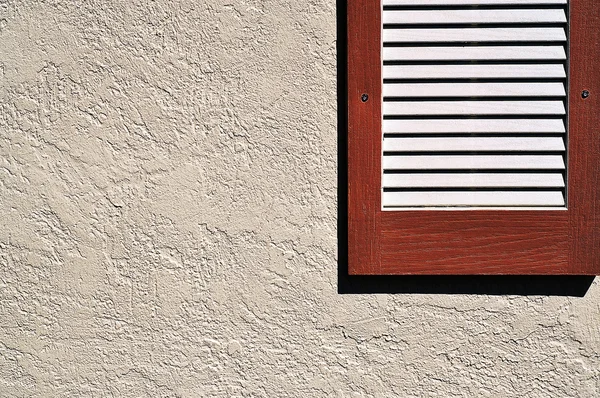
[168, 212]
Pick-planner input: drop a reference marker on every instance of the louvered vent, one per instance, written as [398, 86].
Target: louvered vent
[474, 104]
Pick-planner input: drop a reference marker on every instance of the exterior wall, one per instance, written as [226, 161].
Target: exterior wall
[168, 197]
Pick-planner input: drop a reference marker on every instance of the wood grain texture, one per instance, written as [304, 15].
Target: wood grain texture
[364, 136]
[584, 139]
[480, 242]
[474, 242]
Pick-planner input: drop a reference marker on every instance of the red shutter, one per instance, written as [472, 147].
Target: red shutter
[472, 241]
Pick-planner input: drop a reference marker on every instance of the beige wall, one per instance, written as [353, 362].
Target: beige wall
[168, 212]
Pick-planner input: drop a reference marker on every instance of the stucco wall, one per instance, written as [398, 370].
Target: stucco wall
[168, 210]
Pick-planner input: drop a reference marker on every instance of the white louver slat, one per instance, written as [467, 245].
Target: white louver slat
[471, 126]
[472, 71]
[474, 144]
[469, 162]
[474, 53]
[474, 104]
[473, 16]
[416, 180]
[473, 35]
[467, 2]
[474, 89]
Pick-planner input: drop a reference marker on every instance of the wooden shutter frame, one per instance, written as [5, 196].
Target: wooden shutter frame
[472, 242]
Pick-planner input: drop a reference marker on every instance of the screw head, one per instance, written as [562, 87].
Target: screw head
[585, 94]
[364, 97]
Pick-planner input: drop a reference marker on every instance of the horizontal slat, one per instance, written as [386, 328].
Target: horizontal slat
[474, 126]
[469, 198]
[473, 89]
[473, 71]
[473, 35]
[473, 162]
[466, 2]
[474, 53]
[473, 144]
[480, 180]
[473, 16]
[474, 108]
[497, 167]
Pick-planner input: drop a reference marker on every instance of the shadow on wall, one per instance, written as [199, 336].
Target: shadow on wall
[494, 285]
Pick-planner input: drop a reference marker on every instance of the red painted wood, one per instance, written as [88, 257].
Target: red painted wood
[364, 136]
[584, 138]
[472, 242]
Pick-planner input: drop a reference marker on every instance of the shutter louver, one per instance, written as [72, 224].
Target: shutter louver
[474, 104]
